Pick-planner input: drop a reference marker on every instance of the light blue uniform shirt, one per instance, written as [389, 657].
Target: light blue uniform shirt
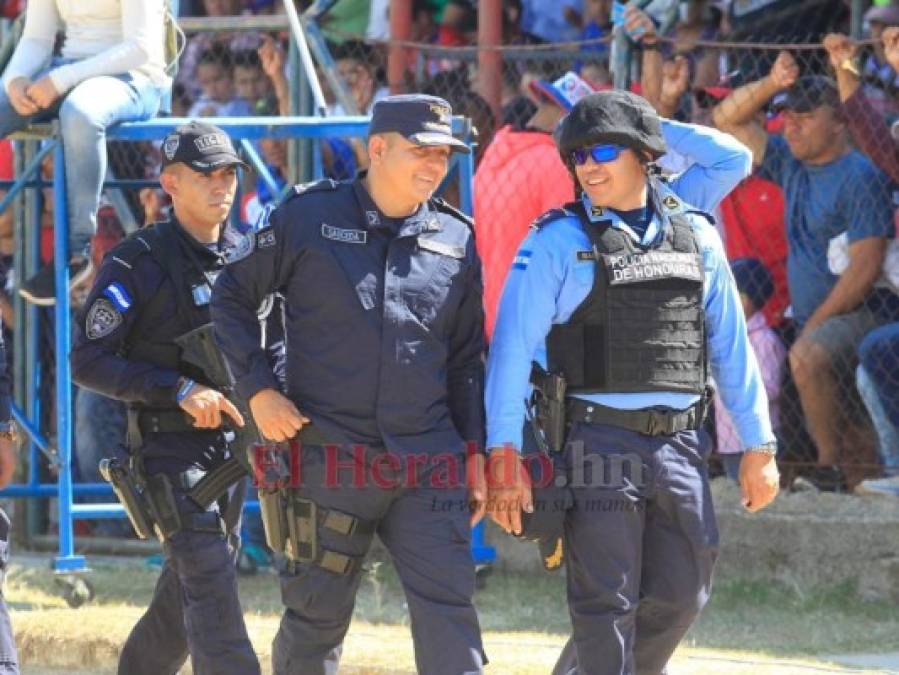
[548, 282]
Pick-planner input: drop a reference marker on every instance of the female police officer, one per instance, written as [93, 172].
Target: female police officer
[626, 295]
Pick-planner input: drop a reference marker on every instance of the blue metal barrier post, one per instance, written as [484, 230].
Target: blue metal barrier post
[66, 561]
[481, 553]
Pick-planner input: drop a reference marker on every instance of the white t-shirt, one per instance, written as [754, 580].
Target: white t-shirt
[105, 37]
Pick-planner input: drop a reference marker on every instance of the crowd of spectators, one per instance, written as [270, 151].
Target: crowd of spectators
[809, 232]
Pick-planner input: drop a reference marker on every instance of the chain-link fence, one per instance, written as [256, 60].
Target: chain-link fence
[807, 234]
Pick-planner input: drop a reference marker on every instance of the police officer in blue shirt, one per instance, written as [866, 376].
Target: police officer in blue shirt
[622, 306]
[385, 340]
[9, 661]
[151, 291]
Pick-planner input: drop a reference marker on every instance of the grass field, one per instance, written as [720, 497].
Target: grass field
[747, 628]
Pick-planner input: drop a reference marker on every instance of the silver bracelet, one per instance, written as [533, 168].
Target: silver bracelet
[765, 448]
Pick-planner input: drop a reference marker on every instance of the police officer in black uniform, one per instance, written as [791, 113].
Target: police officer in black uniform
[9, 662]
[385, 341]
[151, 290]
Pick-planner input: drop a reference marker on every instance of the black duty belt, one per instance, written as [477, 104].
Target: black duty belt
[165, 421]
[647, 421]
[312, 435]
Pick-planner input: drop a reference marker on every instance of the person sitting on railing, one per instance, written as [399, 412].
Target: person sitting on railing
[112, 69]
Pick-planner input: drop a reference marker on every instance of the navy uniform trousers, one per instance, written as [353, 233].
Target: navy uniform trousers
[427, 533]
[9, 662]
[641, 542]
[195, 610]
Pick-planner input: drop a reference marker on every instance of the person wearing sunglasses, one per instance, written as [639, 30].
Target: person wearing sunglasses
[624, 302]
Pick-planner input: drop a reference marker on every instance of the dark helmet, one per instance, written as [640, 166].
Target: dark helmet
[613, 116]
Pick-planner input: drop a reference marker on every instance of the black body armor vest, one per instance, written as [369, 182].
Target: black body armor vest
[189, 291]
[642, 327]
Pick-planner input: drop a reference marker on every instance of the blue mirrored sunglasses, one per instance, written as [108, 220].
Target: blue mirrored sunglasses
[607, 152]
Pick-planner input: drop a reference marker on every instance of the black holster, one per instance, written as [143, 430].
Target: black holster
[130, 494]
[547, 408]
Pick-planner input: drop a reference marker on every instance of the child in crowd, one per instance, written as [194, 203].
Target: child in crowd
[215, 75]
[756, 287]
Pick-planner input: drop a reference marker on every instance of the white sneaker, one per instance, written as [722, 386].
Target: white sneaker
[879, 487]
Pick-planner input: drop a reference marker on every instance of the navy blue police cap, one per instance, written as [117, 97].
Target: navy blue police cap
[203, 147]
[421, 119]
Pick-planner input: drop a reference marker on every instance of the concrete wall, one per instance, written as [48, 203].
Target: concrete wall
[803, 538]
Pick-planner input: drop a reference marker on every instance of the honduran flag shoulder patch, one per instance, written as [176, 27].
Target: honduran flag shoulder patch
[118, 295]
[521, 260]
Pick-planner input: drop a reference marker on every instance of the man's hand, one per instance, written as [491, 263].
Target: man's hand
[785, 71]
[509, 489]
[890, 39]
[19, 99]
[476, 477]
[638, 25]
[839, 48]
[43, 92]
[271, 56]
[675, 81]
[277, 418]
[759, 480]
[7, 461]
[206, 406]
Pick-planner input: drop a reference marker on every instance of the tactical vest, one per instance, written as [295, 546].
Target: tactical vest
[642, 326]
[189, 289]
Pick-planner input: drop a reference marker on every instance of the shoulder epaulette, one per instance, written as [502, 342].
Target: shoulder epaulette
[313, 186]
[443, 207]
[134, 245]
[708, 216]
[548, 217]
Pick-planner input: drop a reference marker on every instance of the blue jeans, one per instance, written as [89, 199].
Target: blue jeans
[887, 434]
[84, 114]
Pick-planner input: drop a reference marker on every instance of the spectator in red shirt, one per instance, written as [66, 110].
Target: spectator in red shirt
[520, 177]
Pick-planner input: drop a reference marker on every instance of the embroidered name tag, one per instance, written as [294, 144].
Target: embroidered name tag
[344, 236]
[441, 248]
[585, 255]
[650, 266]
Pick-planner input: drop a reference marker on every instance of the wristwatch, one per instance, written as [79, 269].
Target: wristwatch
[765, 448]
[8, 430]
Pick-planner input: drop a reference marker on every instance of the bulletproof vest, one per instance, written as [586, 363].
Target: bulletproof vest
[642, 326]
[188, 290]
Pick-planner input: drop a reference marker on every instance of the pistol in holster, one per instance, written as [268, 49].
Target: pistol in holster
[546, 409]
[131, 494]
[149, 501]
[290, 523]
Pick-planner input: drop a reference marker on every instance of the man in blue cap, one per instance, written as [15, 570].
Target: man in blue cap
[385, 325]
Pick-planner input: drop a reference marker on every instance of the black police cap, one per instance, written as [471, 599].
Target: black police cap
[421, 119]
[201, 146]
[614, 116]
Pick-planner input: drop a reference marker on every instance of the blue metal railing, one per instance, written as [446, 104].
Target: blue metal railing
[241, 129]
